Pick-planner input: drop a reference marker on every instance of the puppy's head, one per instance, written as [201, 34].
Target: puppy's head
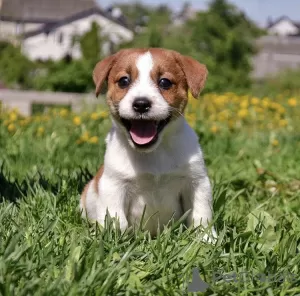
[147, 90]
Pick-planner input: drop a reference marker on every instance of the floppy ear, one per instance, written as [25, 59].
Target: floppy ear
[101, 72]
[195, 74]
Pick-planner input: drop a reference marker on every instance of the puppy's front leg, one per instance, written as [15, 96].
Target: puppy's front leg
[112, 195]
[197, 196]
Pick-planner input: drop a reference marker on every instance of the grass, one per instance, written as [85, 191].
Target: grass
[47, 249]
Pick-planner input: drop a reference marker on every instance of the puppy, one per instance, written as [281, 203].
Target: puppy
[153, 160]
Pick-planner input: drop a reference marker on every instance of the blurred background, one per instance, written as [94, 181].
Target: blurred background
[48, 49]
[54, 44]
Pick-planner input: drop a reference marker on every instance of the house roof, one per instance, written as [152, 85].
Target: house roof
[42, 10]
[273, 23]
[52, 26]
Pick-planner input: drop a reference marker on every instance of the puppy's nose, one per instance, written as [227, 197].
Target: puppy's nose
[141, 105]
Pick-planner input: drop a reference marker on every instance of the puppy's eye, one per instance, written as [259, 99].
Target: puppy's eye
[124, 82]
[165, 83]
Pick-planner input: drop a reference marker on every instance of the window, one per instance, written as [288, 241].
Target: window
[60, 38]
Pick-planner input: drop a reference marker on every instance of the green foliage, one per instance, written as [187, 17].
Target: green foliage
[47, 249]
[155, 39]
[221, 37]
[67, 77]
[287, 81]
[91, 44]
[15, 68]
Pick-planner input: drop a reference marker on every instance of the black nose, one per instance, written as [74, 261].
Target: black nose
[141, 105]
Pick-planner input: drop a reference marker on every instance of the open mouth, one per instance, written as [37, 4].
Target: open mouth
[144, 132]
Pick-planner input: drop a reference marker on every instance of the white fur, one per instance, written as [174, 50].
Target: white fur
[132, 180]
[157, 179]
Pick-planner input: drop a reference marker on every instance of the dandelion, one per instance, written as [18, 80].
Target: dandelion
[214, 129]
[254, 101]
[275, 142]
[13, 116]
[280, 109]
[244, 104]
[292, 102]
[258, 110]
[93, 140]
[23, 122]
[265, 103]
[63, 112]
[11, 128]
[95, 116]
[103, 114]
[77, 120]
[242, 113]
[283, 122]
[85, 136]
[40, 131]
[191, 119]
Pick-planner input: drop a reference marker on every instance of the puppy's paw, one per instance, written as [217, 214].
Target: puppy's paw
[211, 237]
[123, 225]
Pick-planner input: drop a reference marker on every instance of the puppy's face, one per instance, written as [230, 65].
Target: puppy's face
[147, 89]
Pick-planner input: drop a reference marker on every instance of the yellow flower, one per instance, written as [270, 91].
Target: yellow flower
[242, 113]
[224, 115]
[23, 122]
[11, 127]
[283, 122]
[214, 129]
[191, 119]
[275, 143]
[40, 130]
[85, 136]
[63, 112]
[93, 140]
[13, 116]
[95, 116]
[258, 109]
[244, 104]
[77, 120]
[103, 114]
[254, 101]
[280, 110]
[266, 103]
[292, 102]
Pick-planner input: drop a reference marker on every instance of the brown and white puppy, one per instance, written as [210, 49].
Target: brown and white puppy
[153, 157]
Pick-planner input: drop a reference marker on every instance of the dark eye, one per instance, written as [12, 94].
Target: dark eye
[165, 83]
[124, 82]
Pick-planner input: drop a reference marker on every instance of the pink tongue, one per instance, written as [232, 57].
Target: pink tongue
[142, 131]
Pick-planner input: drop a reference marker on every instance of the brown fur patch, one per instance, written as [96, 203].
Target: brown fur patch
[84, 193]
[97, 178]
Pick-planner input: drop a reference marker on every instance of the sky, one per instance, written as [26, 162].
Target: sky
[257, 10]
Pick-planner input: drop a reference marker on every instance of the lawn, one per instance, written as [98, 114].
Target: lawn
[252, 151]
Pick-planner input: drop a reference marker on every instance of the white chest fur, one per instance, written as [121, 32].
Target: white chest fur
[155, 180]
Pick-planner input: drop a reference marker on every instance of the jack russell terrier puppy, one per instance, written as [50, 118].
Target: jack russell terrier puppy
[153, 160]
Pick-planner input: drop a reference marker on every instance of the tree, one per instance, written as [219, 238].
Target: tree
[91, 44]
[224, 40]
[15, 69]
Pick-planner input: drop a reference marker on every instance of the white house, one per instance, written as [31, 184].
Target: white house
[20, 16]
[55, 41]
[284, 26]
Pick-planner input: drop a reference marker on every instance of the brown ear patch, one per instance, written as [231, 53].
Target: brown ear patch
[101, 72]
[195, 73]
